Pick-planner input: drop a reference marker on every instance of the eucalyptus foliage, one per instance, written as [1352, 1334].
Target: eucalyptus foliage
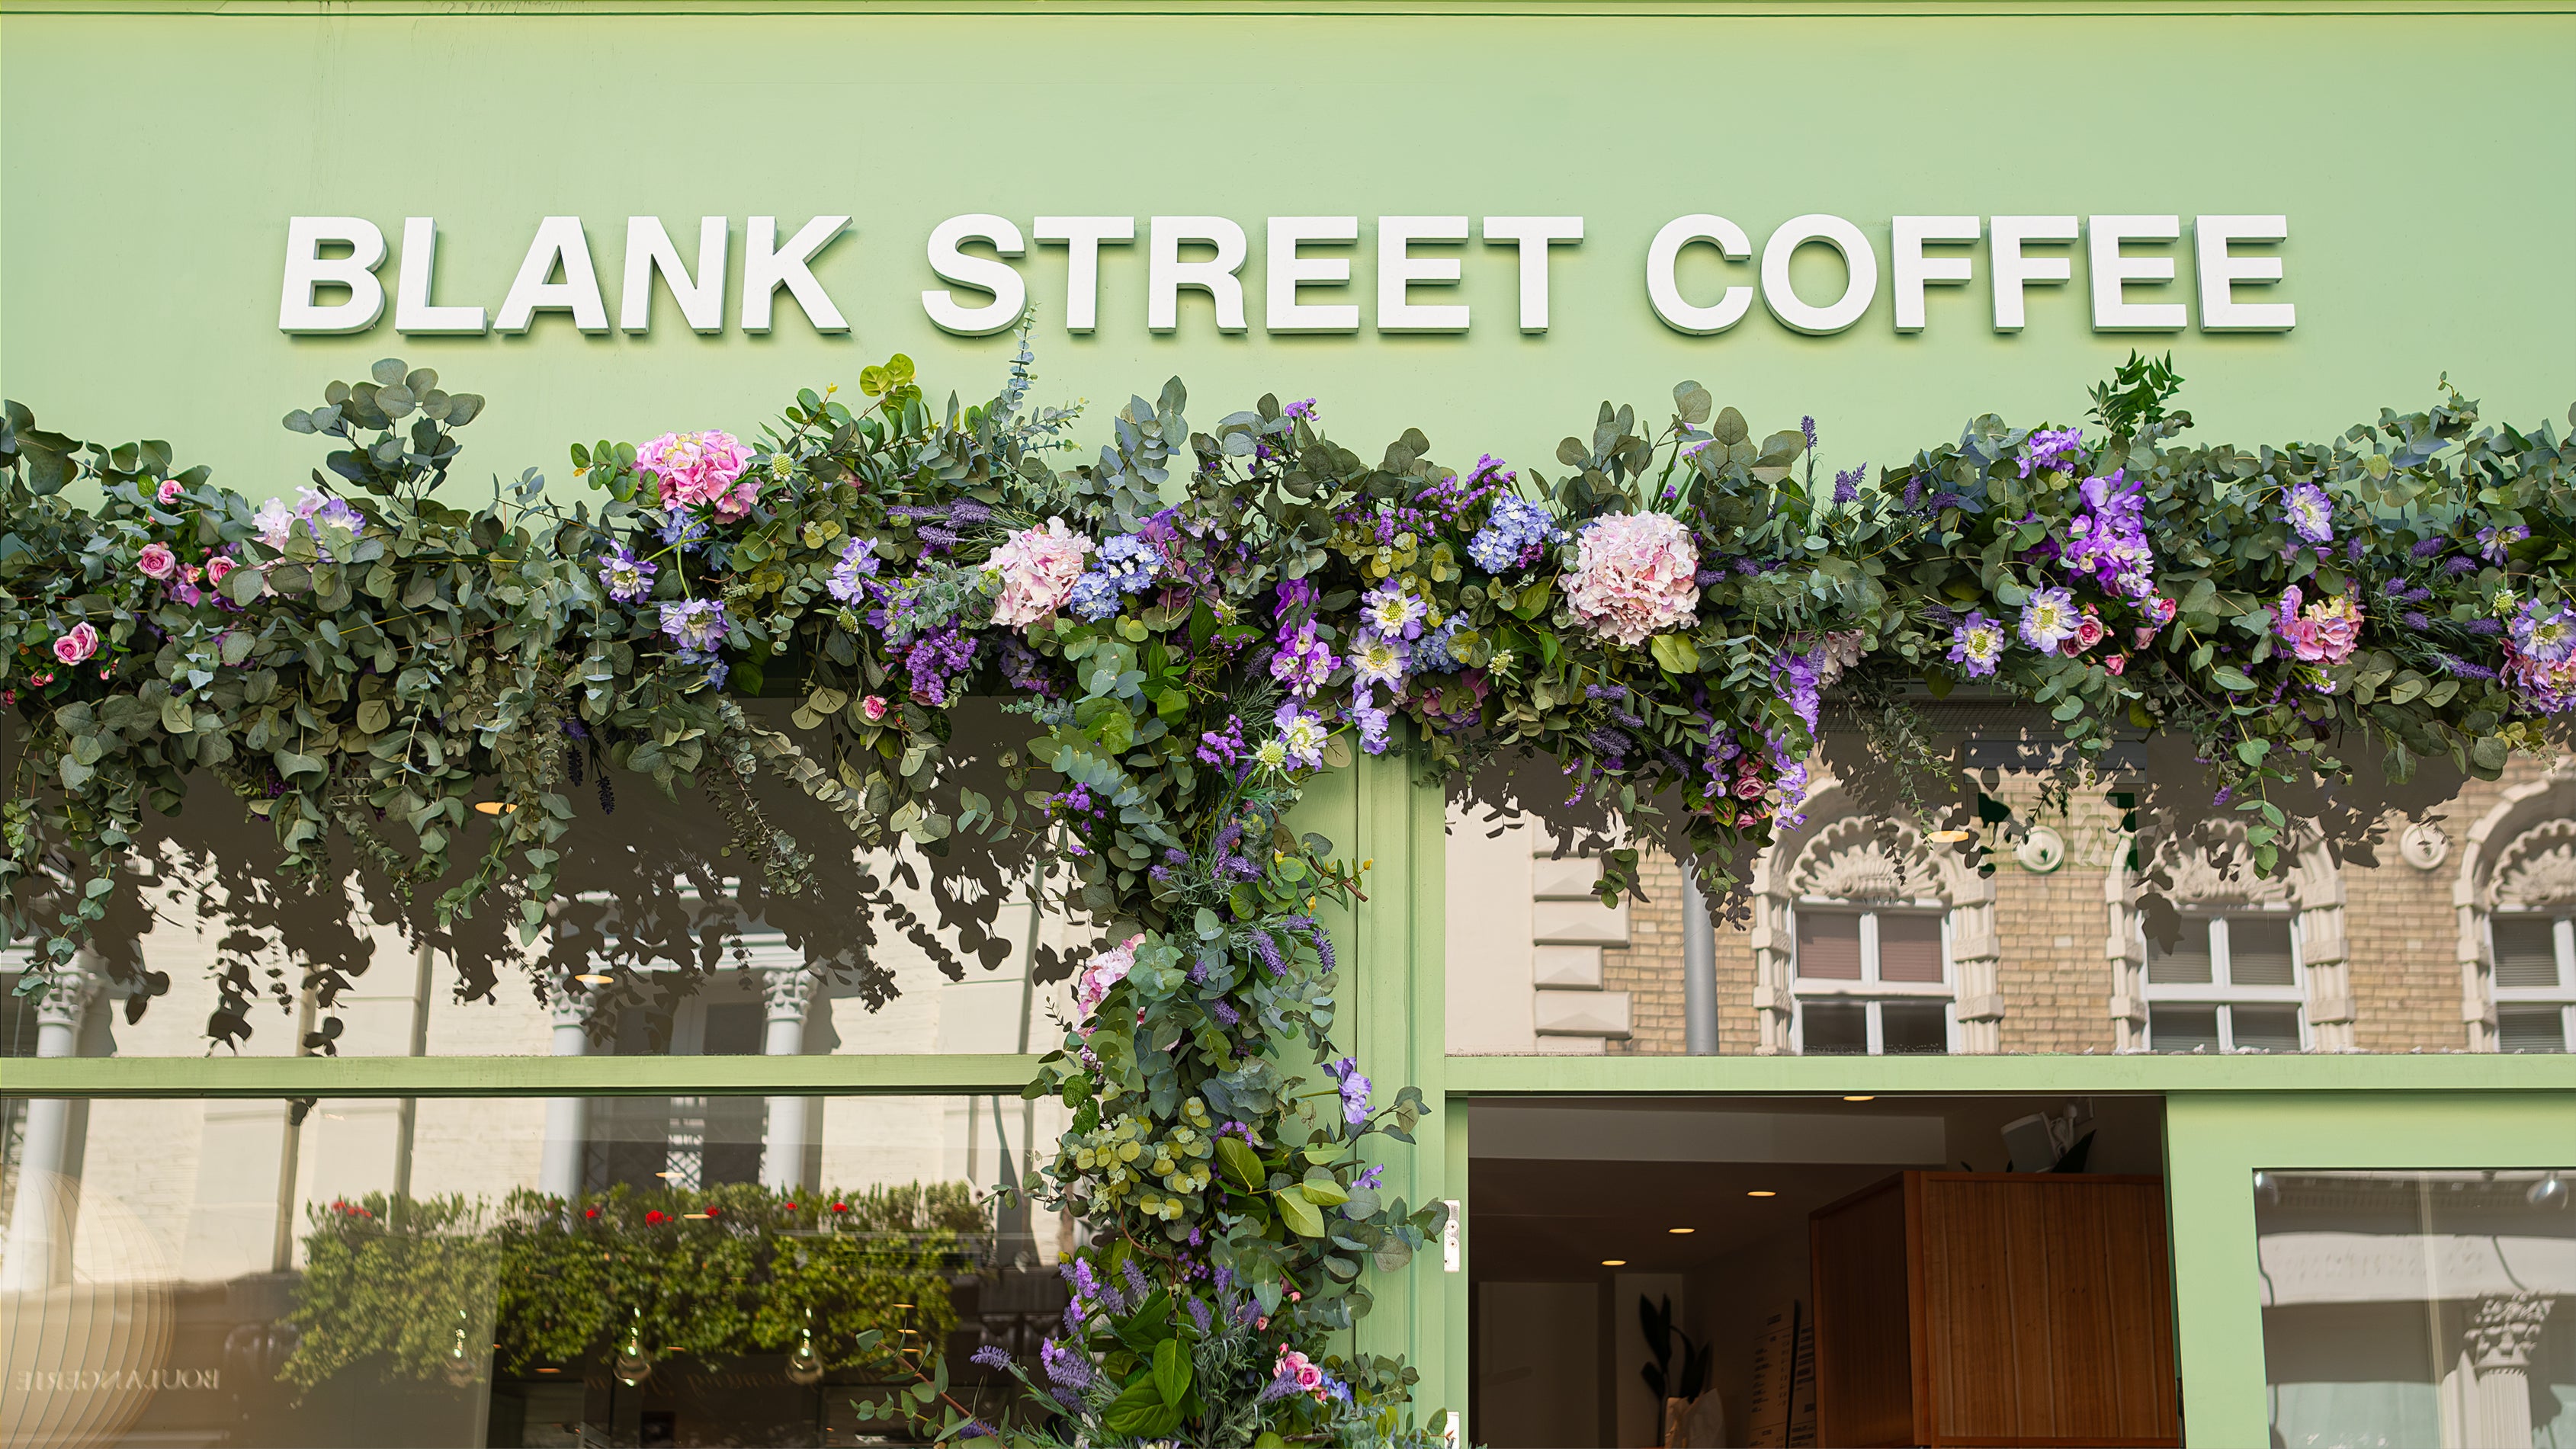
[1192, 622]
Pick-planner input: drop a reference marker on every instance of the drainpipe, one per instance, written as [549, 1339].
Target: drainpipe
[1699, 970]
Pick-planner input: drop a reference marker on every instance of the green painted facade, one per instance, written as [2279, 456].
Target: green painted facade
[152, 152]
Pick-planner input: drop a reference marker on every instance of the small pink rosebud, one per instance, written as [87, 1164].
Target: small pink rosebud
[168, 492]
[874, 707]
[2117, 664]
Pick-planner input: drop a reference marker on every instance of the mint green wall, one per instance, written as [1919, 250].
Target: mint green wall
[153, 152]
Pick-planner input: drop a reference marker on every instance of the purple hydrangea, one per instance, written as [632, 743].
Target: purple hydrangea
[682, 531]
[626, 577]
[1095, 597]
[1514, 535]
[1432, 654]
[1977, 645]
[858, 564]
[2048, 449]
[2309, 512]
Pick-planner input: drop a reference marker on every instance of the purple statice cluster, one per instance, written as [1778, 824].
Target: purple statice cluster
[697, 627]
[1226, 748]
[2051, 449]
[627, 578]
[2309, 512]
[1847, 484]
[849, 578]
[937, 661]
[1450, 497]
[1124, 565]
[1354, 1088]
[2109, 539]
[1515, 534]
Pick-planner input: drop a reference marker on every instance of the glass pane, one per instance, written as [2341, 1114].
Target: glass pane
[2386, 1295]
[2526, 952]
[2182, 1028]
[2258, 951]
[1913, 1026]
[1833, 1028]
[2187, 964]
[1909, 947]
[1829, 945]
[2531, 1029]
[2265, 1028]
[381, 1272]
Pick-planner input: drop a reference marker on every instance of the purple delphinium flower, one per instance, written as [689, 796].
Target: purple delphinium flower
[858, 564]
[1374, 723]
[1977, 645]
[2049, 618]
[626, 577]
[2109, 540]
[1804, 682]
[682, 531]
[2048, 449]
[2309, 512]
[1354, 1088]
[1303, 662]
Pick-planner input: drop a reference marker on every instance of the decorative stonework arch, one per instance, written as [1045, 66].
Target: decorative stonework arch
[2310, 890]
[2521, 853]
[1844, 854]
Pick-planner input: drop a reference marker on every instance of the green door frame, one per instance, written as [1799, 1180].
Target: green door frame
[2225, 1117]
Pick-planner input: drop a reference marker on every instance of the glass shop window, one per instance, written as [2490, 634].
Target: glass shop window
[2232, 983]
[1873, 982]
[2535, 981]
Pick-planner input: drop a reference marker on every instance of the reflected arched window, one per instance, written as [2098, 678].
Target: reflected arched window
[1865, 942]
[2516, 896]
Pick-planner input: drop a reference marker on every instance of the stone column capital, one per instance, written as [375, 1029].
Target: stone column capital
[786, 991]
[2504, 1328]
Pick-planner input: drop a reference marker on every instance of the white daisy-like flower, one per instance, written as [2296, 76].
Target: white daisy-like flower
[1272, 756]
[1379, 661]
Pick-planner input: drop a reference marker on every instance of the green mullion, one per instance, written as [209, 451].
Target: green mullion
[352, 1076]
[2046, 1074]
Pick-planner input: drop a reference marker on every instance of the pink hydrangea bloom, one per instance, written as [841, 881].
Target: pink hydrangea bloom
[79, 644]
[2323, 633]
[157, 561]
[701, 469]
[1635, 574]
[1105, 970]
[1038, 567]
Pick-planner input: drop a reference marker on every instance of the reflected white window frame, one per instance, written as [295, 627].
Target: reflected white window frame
[2563, 951]
[2221, 991]
[1870, 992]
[2308, 885]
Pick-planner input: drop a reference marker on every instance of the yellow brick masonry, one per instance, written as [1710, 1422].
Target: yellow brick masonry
[2053, 975]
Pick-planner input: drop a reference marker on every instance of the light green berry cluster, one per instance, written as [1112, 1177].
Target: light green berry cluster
[1161, 1176]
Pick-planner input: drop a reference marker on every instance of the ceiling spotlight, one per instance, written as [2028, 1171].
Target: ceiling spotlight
[2549, 1192]
[1762, 1192]
[1680, 1231]
[494, 807]
[596, 978]
[666, 1176]
[1950, 837]
[1614, 1262]
[1862, 1097]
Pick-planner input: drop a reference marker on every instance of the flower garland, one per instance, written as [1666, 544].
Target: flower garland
[1192, 623]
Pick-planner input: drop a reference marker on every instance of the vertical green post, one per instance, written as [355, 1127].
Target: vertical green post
[2218, 1305]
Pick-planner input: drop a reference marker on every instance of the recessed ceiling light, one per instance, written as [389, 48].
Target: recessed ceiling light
[596, 978]
[1950, 837]
[666, 1175]
[1614, 1262]
[1863, 1097]
[550, 1370]
[1762, 1192]
[1681, 1230]
[495, 807]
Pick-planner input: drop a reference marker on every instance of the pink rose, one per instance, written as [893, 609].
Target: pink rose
[168, 492]
[79, 644]
[874, 707]
[2144, 637]
[217, 567]
[696, 469]
[1038, 567]
[2089, 631]
[157, 561]
[2117, 664]
[1635, 575]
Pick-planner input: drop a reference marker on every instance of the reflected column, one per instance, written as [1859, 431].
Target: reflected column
[2501, 1335]
[787, 991]
[42, 1218]
[567, 1118]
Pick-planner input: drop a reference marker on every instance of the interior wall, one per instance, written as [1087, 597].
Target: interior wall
[1538, 1376]
[1732, 1299]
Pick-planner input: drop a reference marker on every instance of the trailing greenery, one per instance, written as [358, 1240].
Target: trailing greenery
[1193, 622]
[401, 1286]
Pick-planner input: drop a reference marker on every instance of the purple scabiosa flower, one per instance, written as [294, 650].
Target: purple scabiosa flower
[2544, 637]
[1392, 611]
[697, 626]
[1977, 645]
[2309, 512]
[2048, 449]
[858, 564]
[2049, 618]
[2494, 544]
[627, 578]
[1379, 660]
[1300, 741]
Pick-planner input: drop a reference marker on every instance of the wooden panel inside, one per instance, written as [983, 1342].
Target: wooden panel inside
[1864, 1362]
[2047, 1307]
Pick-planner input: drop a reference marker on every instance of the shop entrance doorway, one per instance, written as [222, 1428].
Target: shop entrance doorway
[1791, 1271]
